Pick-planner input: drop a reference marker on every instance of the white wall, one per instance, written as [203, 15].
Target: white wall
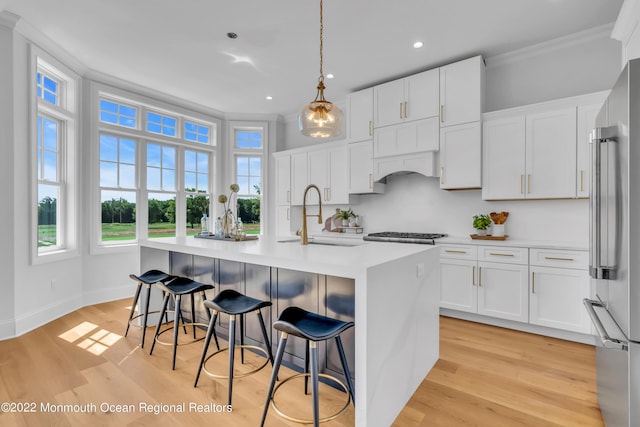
[7, 312]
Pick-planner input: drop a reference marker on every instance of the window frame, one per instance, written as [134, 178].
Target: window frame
[235, 153]
[66, 113]
[143, 137]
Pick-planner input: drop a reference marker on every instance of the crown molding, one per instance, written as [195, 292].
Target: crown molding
[627, 20]
[8, 19]
[560, 43]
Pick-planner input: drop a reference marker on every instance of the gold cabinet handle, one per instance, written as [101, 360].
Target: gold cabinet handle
[529, 183]
[405, 110]
[581, 180]
[288, 217]
[521, 179]
[370, 128]
[498, 254]
[441, 113]
[479, 276]
[370, 181]
[288, 196]
[533, 282]
[441, 174]
[453, 251]
[401, 110]
[473, 276]
[558, 258]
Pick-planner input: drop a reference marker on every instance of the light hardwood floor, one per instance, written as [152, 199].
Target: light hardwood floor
[486, 376]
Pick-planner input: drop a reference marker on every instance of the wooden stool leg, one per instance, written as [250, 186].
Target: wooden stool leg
[345, 368]
[175, 332]
[241, 338]
[162, 313]
[133, 307]
[314, 382]
[146, 315]
[274, 375]
[306, 367]
[193, 315]
[265, 336]
[207, 340]
[232, 345]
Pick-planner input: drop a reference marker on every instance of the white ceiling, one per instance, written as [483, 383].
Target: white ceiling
[181, 47]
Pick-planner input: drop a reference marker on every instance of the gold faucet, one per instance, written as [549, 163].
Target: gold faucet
[304, 239]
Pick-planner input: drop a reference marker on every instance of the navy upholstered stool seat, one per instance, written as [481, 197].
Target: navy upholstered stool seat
[234, 304]
[147, 278]
[177, 288]
[313, 328]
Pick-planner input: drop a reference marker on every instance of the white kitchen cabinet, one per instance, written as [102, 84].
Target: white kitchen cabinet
[361, 181]
[283, 220]
[551, 154]
[503, 158]
[327, 168]
[586, 122]
[299, 177]
[460, 156]
[408, 138]
[411, 98]
[360, 107]
[559, 281]
[283, 180]
[530, 156]
[468, 282]
[458, 290]
[461, 92]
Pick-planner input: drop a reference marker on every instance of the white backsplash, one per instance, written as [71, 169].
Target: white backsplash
[414, 203]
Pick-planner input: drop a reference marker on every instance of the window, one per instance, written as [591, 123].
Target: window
[54, 195]
[155, 168]
[163, 125]
[161, 179]
[118, 114]
[117, 188]
[196, 133]
[248, 158]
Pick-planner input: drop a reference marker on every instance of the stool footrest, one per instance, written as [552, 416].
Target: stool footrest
[181, 325]
[239, 375]
[310, 421]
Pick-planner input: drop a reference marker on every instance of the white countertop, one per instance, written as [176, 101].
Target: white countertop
[538, 244]
[332, 260]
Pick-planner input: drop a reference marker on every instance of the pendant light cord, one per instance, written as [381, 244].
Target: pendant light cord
[321, 45]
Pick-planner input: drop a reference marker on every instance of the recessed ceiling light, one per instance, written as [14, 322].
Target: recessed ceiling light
[232, 35]
[417, 45]
[330, 76]
[269, 98]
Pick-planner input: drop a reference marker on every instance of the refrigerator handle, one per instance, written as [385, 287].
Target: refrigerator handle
[607, 341]
[599, 168]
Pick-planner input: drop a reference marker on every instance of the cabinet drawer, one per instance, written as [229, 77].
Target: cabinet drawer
[458, 252]
[578, 260]
[503, 254]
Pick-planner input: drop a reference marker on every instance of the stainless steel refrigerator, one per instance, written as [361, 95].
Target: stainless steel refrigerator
[615, 250]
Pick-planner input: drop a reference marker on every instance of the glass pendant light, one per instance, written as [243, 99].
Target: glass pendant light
[320, 118]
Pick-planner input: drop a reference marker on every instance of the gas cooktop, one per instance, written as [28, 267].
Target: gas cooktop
[394, 236]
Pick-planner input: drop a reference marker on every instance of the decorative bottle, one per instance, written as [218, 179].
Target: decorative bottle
[204, 225]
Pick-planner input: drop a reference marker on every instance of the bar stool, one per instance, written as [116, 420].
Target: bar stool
[177, 288]
[313, 328]
[234, 304]
[147, 278]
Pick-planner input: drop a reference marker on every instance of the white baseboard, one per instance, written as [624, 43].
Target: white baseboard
[7, 329]
[519, 326]
[106, 295]
[29, 321]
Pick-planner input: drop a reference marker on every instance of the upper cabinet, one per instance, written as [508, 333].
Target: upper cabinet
[461, 92]
[411, 98]
[361, 169]
[538, 151]
[360, 105]
[461, 103]
[283, 179]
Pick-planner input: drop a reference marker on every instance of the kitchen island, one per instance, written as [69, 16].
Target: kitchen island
[395, 297]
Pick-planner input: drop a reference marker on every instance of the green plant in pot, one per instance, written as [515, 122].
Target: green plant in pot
[345, 215]
[481, 222]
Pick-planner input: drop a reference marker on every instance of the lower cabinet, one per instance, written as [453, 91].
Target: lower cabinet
[470, 281]
[543, 287]
[559, 281]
